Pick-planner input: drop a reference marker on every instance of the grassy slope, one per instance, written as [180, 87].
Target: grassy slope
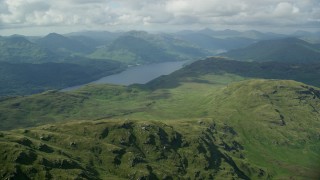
[276, 122]
[123, 149]
[278, 150]
[305, 73]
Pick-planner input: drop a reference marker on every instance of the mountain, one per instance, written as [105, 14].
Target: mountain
[213, 123]
[138, 47]
[17, 49]
[312, 37]
[26, 78]
[103, 37]
[119, 150]
[255, 129]
[28, 68]
[215, 44]
[213, 119]
[282, 50]
[61, 44]
[132, 50]
[225, 40]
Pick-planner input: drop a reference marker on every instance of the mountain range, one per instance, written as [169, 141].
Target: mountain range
[141, 47]
[131, 48]
[250, 113]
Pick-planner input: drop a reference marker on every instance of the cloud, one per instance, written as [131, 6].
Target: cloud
[159, 13]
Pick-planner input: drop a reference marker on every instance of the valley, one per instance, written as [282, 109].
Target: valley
[159, 90]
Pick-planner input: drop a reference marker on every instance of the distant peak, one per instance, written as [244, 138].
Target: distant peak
[54, 35]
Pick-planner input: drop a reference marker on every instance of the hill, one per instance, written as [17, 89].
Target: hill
[28, 68]
[27, 78]
[266, 129]
[203, 70]
[17, 49]
[138, 47]
[282, 50]
[60, 44]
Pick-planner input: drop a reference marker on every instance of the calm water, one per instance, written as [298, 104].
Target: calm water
[137, 74]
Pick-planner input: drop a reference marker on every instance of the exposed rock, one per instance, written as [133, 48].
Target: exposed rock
[46, 137]
[45, 148]
[104, 133]
[25, 141]
[26, 157]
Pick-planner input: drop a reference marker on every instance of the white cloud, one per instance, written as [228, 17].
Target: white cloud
[159, 13]
[285, 9]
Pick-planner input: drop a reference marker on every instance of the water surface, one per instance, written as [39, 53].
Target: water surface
[137, 74]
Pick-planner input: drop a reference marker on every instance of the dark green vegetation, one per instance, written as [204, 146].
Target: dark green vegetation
[306, 73]
[197, 123]
[23, 78]
[220, 41]
[78, 50]
[141, 47]
[64, 45]
[215, 44]
[27, 68]
[125, 149]
[282, 50]
[56, 61]
[213, 119]
[17, 49]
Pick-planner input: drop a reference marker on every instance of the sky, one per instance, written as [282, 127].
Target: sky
[37, 17]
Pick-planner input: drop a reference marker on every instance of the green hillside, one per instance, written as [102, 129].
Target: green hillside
[28, 68]
[60, 44]
[202, 70]
[138, 47]
[121, 150]
[205, 121]
[256, 129]
[26, 78]
[16, 49]
[281, 50]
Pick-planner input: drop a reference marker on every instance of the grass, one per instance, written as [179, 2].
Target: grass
[199, 126]
[117, 149]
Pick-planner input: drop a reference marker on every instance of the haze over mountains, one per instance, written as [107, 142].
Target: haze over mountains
[282, 50]
[246, 106]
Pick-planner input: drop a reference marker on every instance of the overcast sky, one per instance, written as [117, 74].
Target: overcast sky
[44, 16]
